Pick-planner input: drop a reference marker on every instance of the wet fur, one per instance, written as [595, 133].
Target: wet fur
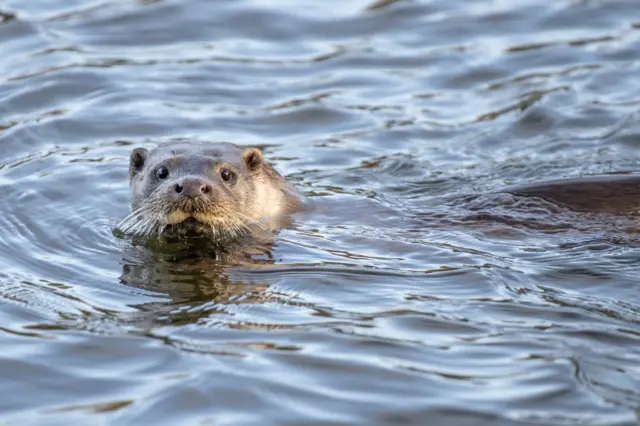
[257, 199]
[613, 193]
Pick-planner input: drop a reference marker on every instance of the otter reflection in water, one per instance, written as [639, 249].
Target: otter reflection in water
[218, 191]
[186, 285]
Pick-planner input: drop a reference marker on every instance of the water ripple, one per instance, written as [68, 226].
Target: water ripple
[414, 293]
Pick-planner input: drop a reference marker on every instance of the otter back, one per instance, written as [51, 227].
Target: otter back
[616, 194]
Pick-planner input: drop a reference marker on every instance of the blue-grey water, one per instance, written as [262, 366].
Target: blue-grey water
[409, 296]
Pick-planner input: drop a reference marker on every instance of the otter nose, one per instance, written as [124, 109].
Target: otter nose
[192, 187]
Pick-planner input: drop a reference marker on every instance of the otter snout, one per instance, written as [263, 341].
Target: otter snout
[192, 187]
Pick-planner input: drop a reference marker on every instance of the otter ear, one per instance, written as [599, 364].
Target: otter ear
[136, 161]
[252, 158]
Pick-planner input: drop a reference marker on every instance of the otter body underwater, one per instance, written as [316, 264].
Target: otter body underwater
[617, 194]
[219, 191]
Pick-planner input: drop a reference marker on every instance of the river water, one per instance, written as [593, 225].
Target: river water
[410, 296]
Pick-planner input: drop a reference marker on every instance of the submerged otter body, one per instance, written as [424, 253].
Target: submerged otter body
[614, 193]
[220, 191]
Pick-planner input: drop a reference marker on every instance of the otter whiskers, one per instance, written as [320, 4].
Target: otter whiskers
[147, 222]
[253, 222]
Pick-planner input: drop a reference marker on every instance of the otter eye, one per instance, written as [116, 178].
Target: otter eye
[226, 175]
[162, 173]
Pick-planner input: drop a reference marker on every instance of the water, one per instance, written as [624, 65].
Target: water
[411, 296]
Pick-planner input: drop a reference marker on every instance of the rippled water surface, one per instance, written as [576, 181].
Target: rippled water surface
[410, 296]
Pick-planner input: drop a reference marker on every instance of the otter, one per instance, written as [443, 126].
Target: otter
[219, 191]
[222, 191]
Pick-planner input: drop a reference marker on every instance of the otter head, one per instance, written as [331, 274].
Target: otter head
[201, 188]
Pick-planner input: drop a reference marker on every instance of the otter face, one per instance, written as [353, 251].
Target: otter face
[203, 189]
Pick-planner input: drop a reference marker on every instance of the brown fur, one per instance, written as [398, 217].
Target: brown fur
[614, 194]
[194, 197]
